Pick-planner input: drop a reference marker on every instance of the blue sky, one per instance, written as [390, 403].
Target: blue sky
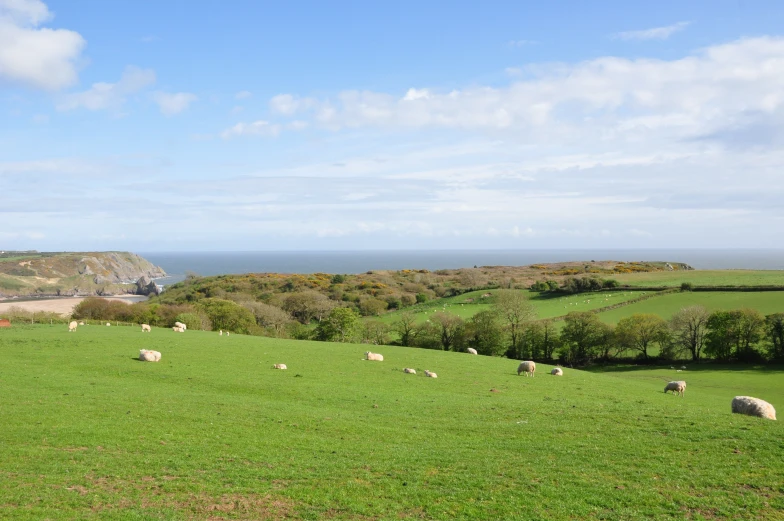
[163, 126]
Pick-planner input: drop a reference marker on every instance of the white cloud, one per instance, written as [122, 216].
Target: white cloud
[171, 104]
[608, 97]
[256, 128]
[109, 95]
[39, 57]
[243, 94]
[657, 33]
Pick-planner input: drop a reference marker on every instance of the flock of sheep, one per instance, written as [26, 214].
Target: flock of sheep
[740, 404]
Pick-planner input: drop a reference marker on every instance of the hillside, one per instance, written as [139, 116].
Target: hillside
[200, 436]
[374, 292]
[73, 273]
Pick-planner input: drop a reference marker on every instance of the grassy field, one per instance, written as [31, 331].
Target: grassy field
[765, 302]
[704, 278]
[547, 306]
[212, 432]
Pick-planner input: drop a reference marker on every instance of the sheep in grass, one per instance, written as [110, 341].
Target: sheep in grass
[430, 374]
[178, 329]
[146, 328]
[81, 323]
[180, 324]
[279, 366]
[472, 351]
[557, 371]
[108, 324]
[149, 356]
[408, 370]
[374, 356]
[528, 367]
[72, 327]
[676, 387]
[753, 407]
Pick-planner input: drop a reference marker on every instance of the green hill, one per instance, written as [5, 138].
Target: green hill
[212, 432]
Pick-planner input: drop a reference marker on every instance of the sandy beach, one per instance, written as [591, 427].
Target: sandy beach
[64, 306]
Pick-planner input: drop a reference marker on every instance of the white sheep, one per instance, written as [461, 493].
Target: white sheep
[408, 370]
[430, 374]
[81, 323]
[221, 333]
[146, 328]
[180, 324]
[374, 356]
[557, 371]
[472, 351]
[527, 367]
[753, 407]
[108, 324]
[72, 326]
[178, 329]
[149, 356]
[279, 366]
[676, 387]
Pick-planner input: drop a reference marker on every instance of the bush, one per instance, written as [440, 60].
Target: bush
[338, 279]
[227, 315]
[687, 286]
[421, 298]
[195, 321]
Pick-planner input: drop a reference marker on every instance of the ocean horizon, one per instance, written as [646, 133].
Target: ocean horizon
[177, 264]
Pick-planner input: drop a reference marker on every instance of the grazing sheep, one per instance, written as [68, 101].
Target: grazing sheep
[279, 366]
[81, 323]
[676, 387]
[72, 326]
[527, 367]
[149, 356]
[221, 333]
[146, 328]
[108, 324]
[408, 370]
[374, 356]
[180, 324]
[178, 329]
[683, 367]
[557, 371]
[472, 351]
[753, 407]
[228, 333]
[430, 374]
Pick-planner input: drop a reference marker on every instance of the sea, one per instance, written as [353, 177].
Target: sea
[178, 264]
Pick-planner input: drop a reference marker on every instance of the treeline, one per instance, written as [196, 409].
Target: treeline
[572, 285]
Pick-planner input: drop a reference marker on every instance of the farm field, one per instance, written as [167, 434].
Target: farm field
[765, 302]
[213, 432]
[547, 306]
[703, 278]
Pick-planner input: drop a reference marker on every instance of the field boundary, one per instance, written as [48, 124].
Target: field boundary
[618, 305]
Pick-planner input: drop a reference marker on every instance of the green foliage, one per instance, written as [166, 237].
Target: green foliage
[195, 321]
[485, 334]
[734, 334]
[774, 333]
[338, 279]
[371, 306]
[582, 336]
[688, 329]
[421, 298]
[687, 286]
[638, 332]
[341, 325]
[227, 315]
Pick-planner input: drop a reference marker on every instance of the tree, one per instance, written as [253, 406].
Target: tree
[371, 306]
[514, 311]
[269, 317]
[451, 330]
[688, 328]
[307, 305]
[734, 334]
[340, 324]
[405, 327]
[639, 331]
[227, 315]
[721, 335]
[774, 332]
[485, 334]
[750, 328]
[581, 335]
[607, 346]
[375, 332]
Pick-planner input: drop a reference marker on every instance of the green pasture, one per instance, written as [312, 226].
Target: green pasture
[703, 278]
[765, 302]
[212, 432]
[547, 305]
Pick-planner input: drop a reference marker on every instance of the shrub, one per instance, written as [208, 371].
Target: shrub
[421, 298]
[687, 286]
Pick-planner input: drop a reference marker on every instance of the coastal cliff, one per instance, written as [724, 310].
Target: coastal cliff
[73, 273]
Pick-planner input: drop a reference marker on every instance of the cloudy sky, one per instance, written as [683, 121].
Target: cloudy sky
[173, 125]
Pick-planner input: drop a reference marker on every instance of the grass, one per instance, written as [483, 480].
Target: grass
[547, 305]
[765, 302]
[212, 432]
[704, 278]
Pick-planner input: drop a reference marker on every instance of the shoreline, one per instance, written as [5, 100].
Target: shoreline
[60, 305]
